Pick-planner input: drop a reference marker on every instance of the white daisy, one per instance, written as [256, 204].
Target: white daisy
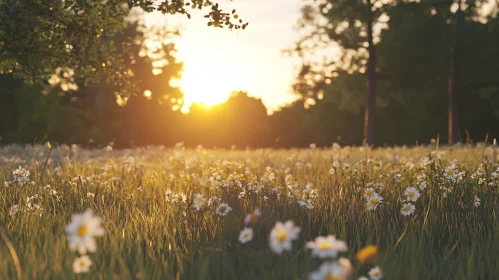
[412, 194]
[324, 247]
[81, 230]
[282, 235]
[82, 264]
[375, 273]
[246, 235]
[480, 170]
[368, 193]
[330, 270]
[408, 209]
[374, 201]
[223, 209]
[199, 201]
[14, 210]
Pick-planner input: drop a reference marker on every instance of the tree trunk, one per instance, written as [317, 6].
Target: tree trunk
[369, 125]
[452, 92]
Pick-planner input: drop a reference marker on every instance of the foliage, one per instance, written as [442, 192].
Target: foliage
[39, 37]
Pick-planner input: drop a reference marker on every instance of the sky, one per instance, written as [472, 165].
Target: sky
[218, 61]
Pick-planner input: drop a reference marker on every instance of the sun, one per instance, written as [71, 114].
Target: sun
[209, 82]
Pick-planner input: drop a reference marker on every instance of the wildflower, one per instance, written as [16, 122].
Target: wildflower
[368, 254]
[253, 217]
[21, 176]
[282, 235]
[357, 167]
[408, 209]
[480, 170]
[199, 201]
[81, 230]
[331, 270]
[307, 204]
[246, 235]
[363, 278]
[241, 195]
[82, 264]
[451, 172]
[398, 178]
[369, 192]
[170, 196]
[374, 201]
[412, 194]
[422, 185]
[14, 210]
[324, 247]
[476, 201]
[223, 209]
[375, 273]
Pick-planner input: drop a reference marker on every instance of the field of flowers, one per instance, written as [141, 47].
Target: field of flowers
[337, 213]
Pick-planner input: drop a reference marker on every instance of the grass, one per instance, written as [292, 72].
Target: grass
[150, 238]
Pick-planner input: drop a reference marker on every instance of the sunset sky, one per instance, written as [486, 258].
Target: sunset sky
[218, 61]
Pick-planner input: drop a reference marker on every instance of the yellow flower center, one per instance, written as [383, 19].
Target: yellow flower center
[375, 273]
[281, 236]
[83, 230]
[325, 246]
[451, 172]
[411, 194]
[374, 201]
[82, 263]
[369, 193]
[245, 235]
[407, 208]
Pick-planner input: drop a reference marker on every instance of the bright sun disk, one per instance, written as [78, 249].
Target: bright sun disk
[209, 83]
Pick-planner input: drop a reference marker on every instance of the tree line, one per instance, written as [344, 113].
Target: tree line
[422, 70]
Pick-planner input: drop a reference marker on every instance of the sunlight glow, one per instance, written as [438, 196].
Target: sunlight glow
[209, 82]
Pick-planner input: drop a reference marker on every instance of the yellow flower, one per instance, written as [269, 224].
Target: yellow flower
[368, 254]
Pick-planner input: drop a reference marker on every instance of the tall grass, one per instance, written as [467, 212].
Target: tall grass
[447, 237]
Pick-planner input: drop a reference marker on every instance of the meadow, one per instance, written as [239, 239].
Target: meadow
[423, 212]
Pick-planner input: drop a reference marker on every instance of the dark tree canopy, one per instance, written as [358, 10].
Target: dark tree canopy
[39, 37]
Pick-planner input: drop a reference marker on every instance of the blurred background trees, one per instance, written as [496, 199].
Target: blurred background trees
[41, 36]
[435, 73]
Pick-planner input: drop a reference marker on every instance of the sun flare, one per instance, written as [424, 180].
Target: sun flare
[209, 82]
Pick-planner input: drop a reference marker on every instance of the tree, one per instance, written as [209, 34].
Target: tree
[41, 36]
[241, 121]
[66, 115]
[457, 13]
[352, 26]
